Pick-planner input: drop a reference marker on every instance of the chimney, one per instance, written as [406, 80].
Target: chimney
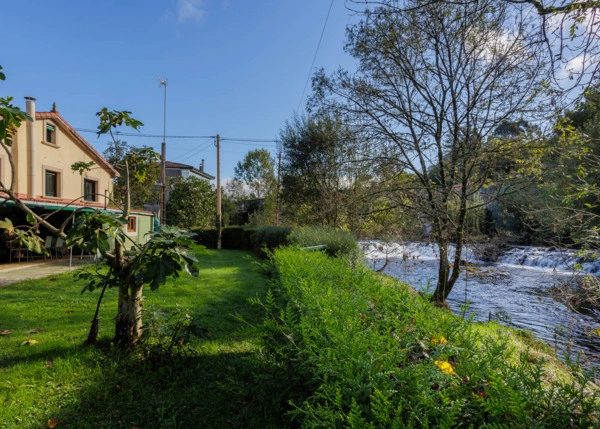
[202, 166]
[31, 149]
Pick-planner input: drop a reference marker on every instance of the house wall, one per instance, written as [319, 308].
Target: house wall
[56, 157]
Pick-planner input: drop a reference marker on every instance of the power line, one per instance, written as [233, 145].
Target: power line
[241, 140]
[315, 57]
[231, 139]
[83, 130]
[194, 151]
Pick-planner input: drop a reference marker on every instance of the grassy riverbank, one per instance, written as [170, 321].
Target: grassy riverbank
[330, 346]
[378, 354]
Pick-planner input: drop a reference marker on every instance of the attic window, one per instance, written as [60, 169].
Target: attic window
[50, 134]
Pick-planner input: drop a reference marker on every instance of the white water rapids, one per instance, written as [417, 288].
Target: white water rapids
[514, 290]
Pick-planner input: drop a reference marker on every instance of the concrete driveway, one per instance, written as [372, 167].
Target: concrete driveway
[18, 272]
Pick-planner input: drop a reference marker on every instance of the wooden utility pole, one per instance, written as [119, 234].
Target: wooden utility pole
[218, 191]
[277, 191]
[163, 160]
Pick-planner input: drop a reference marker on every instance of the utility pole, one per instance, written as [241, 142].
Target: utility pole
[218, 191]
[163, 160]
[277, 191]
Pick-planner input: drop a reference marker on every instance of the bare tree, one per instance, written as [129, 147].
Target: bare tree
[433, 82]
[568, 29]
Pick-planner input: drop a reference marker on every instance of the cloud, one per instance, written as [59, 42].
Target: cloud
[190, 10]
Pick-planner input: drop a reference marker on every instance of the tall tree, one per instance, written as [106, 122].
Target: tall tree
[432, 85]
[576, 162]
[191, 203]
[254, 187]
[257, 173]
[321, 178]
[569, 30]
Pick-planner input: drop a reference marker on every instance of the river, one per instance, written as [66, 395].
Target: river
[514, 290]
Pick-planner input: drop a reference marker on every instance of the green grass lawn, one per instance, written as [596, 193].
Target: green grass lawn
[46, 373]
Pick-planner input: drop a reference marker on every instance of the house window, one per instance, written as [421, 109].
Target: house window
[90, 189]
[132, 224]
[50, 134]
[52, 182]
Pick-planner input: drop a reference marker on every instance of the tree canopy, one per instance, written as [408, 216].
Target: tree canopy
[432, 85]
[191, 203]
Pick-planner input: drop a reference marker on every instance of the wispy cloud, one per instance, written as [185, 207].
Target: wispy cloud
[190, 10]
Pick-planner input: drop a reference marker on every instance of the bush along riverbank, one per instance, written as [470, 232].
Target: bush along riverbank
[358, 349]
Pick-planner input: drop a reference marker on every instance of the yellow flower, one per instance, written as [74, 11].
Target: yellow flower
[445, 366]
[439, 340]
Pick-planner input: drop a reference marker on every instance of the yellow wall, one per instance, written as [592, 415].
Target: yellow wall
[56, 157]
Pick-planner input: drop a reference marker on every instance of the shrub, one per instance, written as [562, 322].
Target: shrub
[232, 237]
[270, 237]
[206, 237]
[338, 242]
[237, 238]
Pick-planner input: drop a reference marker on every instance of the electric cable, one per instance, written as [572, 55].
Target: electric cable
[315, 57]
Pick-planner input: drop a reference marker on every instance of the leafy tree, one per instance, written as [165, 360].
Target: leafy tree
[130, 266]
[143, 192]
[432, 85]
[576, 164]
[191, 203]
[254, 186]
[257, 172]
[321, 178]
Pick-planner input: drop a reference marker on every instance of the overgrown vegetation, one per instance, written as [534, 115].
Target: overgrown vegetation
[338, 242]
[361, 350]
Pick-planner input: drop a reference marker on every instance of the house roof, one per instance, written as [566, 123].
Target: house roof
[55, 116]
[177, 165]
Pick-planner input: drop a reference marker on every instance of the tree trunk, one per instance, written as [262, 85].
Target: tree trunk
[128, 323]
[445, 280]
[443, 287]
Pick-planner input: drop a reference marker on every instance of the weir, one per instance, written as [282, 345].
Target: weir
[515, 290]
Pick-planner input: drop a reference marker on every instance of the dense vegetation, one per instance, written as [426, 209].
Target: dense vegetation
[359, 350]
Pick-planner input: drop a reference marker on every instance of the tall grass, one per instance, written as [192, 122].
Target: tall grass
[337, 242]
[366, 351]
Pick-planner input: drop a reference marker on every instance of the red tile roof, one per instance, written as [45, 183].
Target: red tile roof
[87, 146]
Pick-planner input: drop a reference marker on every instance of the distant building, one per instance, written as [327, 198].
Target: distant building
[175, 169]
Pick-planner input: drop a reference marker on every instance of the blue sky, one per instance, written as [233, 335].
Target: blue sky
[234, 67]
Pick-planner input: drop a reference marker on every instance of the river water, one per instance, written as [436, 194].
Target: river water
[514, 290]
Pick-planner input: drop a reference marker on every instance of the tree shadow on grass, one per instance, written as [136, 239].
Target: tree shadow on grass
[220, 390]
[222, 384]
